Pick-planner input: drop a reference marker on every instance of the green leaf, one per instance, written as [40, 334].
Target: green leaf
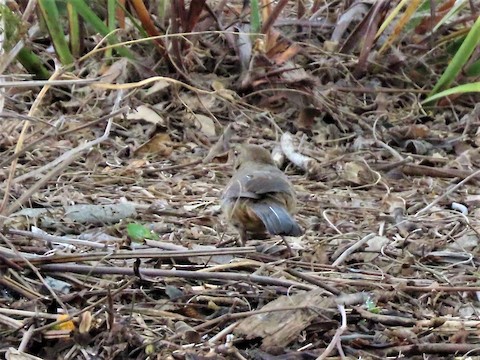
[371, 306]
[138, 232]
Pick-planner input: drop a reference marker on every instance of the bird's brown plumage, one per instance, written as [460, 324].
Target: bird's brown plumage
[259, 197]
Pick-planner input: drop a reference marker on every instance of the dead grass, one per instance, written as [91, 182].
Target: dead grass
[385, 247]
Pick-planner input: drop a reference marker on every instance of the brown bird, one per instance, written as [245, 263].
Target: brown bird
[259, 198]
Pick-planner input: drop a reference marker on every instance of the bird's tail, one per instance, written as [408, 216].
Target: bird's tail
[276, 218]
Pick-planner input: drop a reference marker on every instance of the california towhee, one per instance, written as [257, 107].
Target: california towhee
[259, 198]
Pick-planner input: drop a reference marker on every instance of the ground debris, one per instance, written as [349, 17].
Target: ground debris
[112, 244]
[282, 320]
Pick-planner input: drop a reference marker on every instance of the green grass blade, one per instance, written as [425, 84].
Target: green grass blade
[33, 64]
[90, 17]
[51, 16]
[162, 7]
[75, 32]
[466, 88]
[453, 10]
[474, 69]
[460, 58]
[14, 31]
[255, 25]
[111, 5]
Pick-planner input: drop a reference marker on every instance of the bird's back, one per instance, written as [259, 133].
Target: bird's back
[260, 197]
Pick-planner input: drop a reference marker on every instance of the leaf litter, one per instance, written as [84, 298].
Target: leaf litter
[387, 195]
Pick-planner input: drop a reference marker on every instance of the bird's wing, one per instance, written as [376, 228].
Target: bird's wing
[256, 183]
[276, 218]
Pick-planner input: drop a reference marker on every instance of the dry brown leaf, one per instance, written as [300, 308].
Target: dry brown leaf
[157, 87]
[466, 242]
[325, 132]
[85, 322]
[392, 203]
[187, 332]
[113, 72]
[419, 147]
[286, 54]
[14, 354]
[198, 102]
[428, 22]
[383, 102]
[94, 158]
[362, 143]
[160, 144]
[306, 118]
[210, 259]
[358, 173]
[206, 124]
[220, 89]
[417, 131]
[145, 113]
[354, 13]
[135, 164]
[283, 327]
[376, 243]
[221, 146]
